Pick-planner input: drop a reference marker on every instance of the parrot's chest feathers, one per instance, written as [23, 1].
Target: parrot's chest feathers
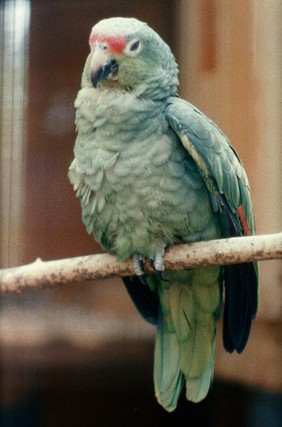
[129, 175]
[117, 117]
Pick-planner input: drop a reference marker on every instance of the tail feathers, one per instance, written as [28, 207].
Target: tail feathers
[196, 353]
[180, 304]
[198, 387]
[170, 373]
[184, 350]
[197, 359]
[240, 305]
[168, 378]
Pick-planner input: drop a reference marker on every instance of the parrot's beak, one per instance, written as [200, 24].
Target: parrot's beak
[103, 67]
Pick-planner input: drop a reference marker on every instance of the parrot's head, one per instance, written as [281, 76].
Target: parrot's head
[127, 54]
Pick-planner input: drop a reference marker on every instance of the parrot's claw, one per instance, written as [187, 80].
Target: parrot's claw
[138, 266]
[156, 262]
[141, 279]
[159, 271]
[160, 276]
[159, 260]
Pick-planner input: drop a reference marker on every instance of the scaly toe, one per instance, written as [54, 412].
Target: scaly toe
[138, 265]
[159, 260]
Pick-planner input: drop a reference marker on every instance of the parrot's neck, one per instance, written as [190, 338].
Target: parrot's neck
[117, 117]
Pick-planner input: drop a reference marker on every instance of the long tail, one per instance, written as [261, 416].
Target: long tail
[185, 344]
[168, 378]
[185, 308]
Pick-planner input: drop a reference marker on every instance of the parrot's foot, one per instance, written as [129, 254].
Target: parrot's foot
[138, 266]
[156, 262]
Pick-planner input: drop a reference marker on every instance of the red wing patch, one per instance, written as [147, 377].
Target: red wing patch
[244, 223]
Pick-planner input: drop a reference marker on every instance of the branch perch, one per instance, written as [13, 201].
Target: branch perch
[39, 274]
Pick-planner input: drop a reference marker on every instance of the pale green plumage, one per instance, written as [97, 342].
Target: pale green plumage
[149, 170]
[185, 344]
[132, 183]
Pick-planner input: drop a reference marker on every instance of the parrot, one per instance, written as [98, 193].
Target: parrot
[150, 171]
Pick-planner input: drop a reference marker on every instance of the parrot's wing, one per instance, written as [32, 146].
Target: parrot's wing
[145, 300]
[228, 186]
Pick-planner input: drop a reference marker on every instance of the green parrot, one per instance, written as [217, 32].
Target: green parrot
[150, 171]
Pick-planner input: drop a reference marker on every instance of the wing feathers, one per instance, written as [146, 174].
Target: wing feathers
[228, 185]
[145, 300]
[240, 305]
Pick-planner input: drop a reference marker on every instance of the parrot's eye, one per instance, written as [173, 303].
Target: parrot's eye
[133, 47]
[103, 46]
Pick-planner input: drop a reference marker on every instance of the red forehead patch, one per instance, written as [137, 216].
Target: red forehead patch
[116, 43]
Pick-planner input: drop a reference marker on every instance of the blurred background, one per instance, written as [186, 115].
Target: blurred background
[81, 355]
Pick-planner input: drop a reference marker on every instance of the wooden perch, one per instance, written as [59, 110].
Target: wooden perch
[237, 250]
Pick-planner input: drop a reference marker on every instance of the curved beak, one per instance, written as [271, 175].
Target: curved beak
[103, 66]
